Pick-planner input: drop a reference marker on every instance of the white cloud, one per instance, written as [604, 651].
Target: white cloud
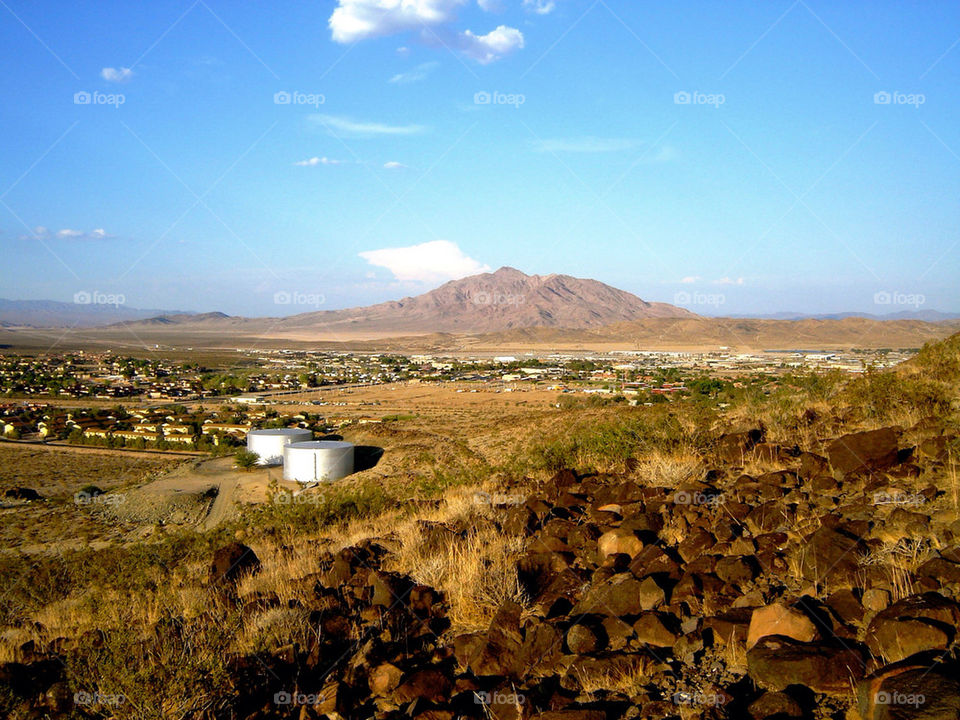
[117, 75]
[429, 262]
[420, 72]
[394, 165]
[354, 20]
[494, 45]
[346, 126]
[690, 279]
[729, 281]
[314, 161]
[98, 234]
[69, 233]
[494, 6]
[540, 7]
[587, 144]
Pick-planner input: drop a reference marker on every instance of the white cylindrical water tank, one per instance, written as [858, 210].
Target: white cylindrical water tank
[269, 444]
[317, 460]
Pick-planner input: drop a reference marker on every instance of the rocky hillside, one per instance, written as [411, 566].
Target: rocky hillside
[826, 586]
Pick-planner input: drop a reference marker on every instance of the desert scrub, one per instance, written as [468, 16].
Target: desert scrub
[607, 442]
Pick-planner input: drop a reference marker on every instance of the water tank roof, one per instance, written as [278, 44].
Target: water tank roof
[321, 445]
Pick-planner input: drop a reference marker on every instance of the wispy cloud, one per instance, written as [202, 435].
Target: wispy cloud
[394, 165]
[540, 7]
[314, 161]
[117, 75]
[729, 281]
[346, 126]
[493, 46]
[420, 72]
[429, 262]
[45, 233]
[690, 279]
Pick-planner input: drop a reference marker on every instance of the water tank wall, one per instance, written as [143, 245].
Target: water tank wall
[269, 444]
[321, 460]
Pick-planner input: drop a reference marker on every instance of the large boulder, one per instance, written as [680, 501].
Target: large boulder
[780, 619]
[831, 554]
[915, 624]
[777, 662]
[232, 562]
[864, 451]
[910, 692]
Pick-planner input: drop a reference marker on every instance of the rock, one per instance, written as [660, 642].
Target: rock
[651, 594]
[431, 684]
[914, 624]
[737, 570]
[910, 692]
[812, 465]
[619, 541]
[651, 630]
[232, 562]
[582, 640]
[776, 706]
[831, 555]
[619, 596]
[384, 679]
[22, 493]
[876, 599]
[896, 640]
[864, 451]
[780, 619]
[733, 447]
[776, 662]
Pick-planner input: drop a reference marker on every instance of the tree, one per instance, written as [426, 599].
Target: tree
[245, 459]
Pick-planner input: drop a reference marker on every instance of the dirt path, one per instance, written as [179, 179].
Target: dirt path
[222, 504]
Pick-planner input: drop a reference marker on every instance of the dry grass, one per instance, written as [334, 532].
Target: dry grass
[629, 679]
[661, 469]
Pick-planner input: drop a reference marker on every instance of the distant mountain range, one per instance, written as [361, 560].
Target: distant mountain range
[83, 313]
[506, 307]
[925, 315]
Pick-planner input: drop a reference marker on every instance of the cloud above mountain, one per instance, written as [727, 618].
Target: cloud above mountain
[429, 262]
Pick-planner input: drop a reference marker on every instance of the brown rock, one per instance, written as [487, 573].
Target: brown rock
[232, 562]
[864, 451]
[384, 679]
[776, 662]
[651, 630]
[619, 541]
[775, 705]
[910, 692]
[780, 619]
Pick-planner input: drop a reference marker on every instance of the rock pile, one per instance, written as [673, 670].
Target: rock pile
[774, 596]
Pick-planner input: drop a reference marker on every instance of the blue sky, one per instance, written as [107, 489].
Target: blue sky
[733, 157]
